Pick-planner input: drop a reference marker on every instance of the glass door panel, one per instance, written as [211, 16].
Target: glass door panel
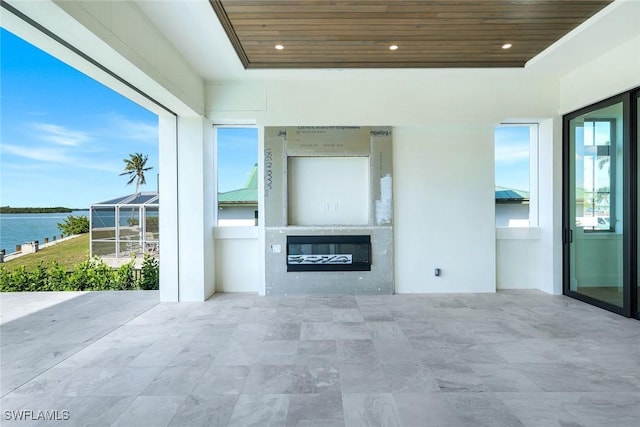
[596, 205]
[637, 136]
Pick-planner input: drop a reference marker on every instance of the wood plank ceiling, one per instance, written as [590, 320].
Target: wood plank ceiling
[428, 34]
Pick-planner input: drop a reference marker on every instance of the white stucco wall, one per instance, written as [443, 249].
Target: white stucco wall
[508, 214]
[443, 157]
[444, 208]
[237, 257]
[519, 259]
[443, 145]
[168, 214]
[137, 51]
[195, 205]
[602, 77]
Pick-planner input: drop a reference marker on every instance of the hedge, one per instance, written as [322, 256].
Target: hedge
[90, 275]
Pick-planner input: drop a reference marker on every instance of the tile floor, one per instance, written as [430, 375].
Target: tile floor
[514, 358]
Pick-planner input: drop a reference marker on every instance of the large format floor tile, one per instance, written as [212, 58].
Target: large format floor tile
[513, 358]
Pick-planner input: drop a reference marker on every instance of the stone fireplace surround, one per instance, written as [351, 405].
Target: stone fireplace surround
[371, 142]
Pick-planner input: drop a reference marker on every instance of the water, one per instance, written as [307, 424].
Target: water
[15, 229]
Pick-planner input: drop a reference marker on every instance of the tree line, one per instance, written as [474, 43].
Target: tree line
[57, 209]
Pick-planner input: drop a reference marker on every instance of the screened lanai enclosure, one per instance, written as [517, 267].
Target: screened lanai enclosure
[125, 227]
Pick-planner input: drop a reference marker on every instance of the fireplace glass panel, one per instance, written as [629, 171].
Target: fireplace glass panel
[328, 253]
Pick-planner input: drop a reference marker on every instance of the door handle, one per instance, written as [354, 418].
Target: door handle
[567, 236]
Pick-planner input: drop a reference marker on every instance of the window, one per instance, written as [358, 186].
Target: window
[237, 175]
[516, 174]
[599, 173]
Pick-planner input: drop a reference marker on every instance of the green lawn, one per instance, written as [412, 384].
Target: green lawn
[68, 254]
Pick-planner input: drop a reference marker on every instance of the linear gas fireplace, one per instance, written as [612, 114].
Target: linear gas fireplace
[329, 253]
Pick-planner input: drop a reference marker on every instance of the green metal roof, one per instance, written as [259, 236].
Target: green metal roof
[249, 194]
[505, 195]
[246, 195]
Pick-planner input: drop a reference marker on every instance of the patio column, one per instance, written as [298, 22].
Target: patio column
[186, 209]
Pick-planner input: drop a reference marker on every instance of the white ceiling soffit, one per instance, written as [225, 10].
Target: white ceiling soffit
[196, 32]
[612, 26]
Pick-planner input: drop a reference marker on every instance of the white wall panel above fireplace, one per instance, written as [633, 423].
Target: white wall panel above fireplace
[328, 190]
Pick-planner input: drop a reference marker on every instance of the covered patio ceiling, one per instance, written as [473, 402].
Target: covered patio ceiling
[396, 33]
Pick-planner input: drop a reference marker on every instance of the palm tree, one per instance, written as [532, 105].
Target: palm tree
[134, 166]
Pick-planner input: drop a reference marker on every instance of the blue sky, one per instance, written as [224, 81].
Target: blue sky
[237, 154]
[64, 136]
[512, 157]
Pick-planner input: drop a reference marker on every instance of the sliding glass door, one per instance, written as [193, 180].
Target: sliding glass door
[636, 135]
[595, 227]
[601, 204]
[601, 208]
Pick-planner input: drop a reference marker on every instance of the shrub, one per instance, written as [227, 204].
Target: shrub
[150, 273]
[58, 278]
[89, 275]
[152, 224]
[21, 280]
[38, 278]
[14, 281]
[102, 277]
[125, 278]
[74, 225]
[5, 280]
[80, 277]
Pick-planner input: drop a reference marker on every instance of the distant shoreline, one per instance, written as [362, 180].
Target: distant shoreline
[58, 209]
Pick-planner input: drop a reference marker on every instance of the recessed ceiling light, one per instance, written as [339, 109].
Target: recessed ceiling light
[279, 47]
[507, 46]
[393, 47]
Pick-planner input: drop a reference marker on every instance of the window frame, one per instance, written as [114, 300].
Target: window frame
[611, 153]
[216, 127]
[534, 153]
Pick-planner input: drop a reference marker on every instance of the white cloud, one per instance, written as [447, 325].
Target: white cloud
[21, 167]
[511, 154]
[106, 167]
[56, 156]
[60, 135]
[42, 154]
[130, 129]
